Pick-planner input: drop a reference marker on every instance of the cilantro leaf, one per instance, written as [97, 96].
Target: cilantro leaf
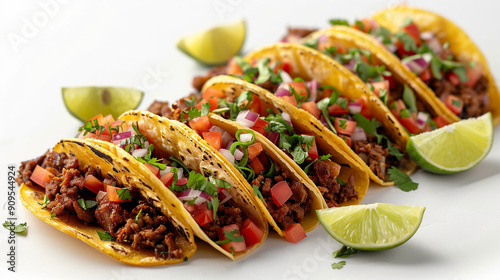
[257, 193]
[402, 180]
[86, 204]
[231, 236]
[105, 236]
[264, 71]
[124, 194]
[344, 252]
[369, 126]
[18, 229]
[45, 201]
[339, 21]
[338, 265]
[461, 73]
[407, 40]
[394, 151]
[215, 205]
[409, 99]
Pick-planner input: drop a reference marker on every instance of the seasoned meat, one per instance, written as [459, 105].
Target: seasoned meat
[199, 81]
[109, 214]
[376, 156]
[294, 35]
[226, 215]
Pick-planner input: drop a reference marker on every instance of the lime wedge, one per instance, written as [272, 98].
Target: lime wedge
[453, 148]
[86, 102]
[215, 45]
[371, 227]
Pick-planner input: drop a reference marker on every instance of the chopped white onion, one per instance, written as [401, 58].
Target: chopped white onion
[426, 35]
[190, 194]
[216, 129]
[246, 137]
[180, 172]
[285, 77]
[226, 138]
[422, 119]
[355, 107]
[286, 117]
[227, 154]
[139, 152]
[238, 155]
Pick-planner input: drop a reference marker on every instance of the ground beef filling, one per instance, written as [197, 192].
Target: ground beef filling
[324, 174]
[227, 214]
[295, 35]
[294, 209]
[150, 231]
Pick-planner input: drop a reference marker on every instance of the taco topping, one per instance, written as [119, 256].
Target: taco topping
[122, 212]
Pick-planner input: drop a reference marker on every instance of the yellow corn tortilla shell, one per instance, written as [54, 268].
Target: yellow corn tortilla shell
[170, 138]
[349, 38]
[310, 64]
[446, 31]
[234, 87]
[310, 220]
[89, 154]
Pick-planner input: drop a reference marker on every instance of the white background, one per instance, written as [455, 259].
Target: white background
[46, 45]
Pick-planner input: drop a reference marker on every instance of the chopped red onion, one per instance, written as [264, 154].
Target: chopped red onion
[358, 134]
[418, 63]
[392, 48]
[227, 154]
[273, 137]
[226, 138]
[313, 88]
[355, 107]
[247, 118]
[224, 196]
[246, 137]
[282, 92]
[323, 120]
[238, 154]
[323, 38]
[350, 65]
[435, 45]
[287, 117]
[190, 194]
[422, 119]
[117, 138]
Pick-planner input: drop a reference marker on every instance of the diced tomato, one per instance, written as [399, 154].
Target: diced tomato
[254, 150]
[324, 93]
[344, 126]
[104, 137]
[365, 111]
[311, 107]
[233, 68]
[122, 126]
[281, 192]
[377, 86]
[346, 139]
[474, 74]
[202, 214]
[98, 118]
[251, 232]
[256, 165]
[232, 246]
[93, 184]
[397, 106]
[259, 126]
[212, 101]
[167, 179]
[313, 151]
[41, 176]
[88, 135]
[254, 106]
[294, 233]
[400, 47]
[200, 124]
[410, 124]
[287, 68]
[454, 103]
[264, 161]
[155, 170]
[213, 93]
[299, 87]
[426, 75]
[107, 119]
[337, 110]
[440, 121]
[390, 78]
[413, 31]
[290, 99]
[367, 25]
[453, 78]
[113, 194]
[213, 138]
[182, 181]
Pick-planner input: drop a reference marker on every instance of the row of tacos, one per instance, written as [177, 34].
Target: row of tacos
[270, 138]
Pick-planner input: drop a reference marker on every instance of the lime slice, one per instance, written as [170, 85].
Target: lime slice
[371, 227]
[86, 102]
[215, 45]
[453, 148]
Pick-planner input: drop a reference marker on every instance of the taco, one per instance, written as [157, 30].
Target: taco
[386, 77]
[94, 195]
[242, 105]
[214, 202]
[442, 56]
[324, 96]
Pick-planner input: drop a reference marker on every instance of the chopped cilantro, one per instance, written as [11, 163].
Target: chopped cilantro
[257, 193]
[341, 182]
[461, 73]
[344, 252]
[402, 180]
[18, 229]
[105, 236]
[369, 126]
[409, 99]
[124, 194]
[152, 160]
[337, 21]
[86, 204]
[231, 236]
[338, 265]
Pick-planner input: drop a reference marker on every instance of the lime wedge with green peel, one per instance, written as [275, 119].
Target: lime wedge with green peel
[86, 102]
[215, 45]
[371, 227]
[453, 148]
